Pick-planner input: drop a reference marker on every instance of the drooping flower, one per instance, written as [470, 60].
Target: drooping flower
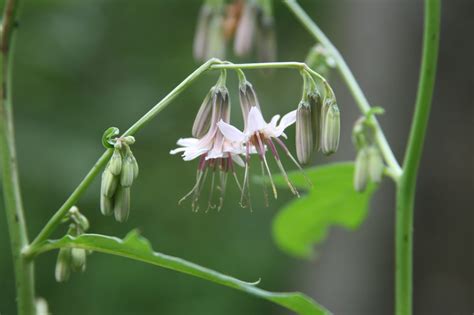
[259, 135]
[216, 154]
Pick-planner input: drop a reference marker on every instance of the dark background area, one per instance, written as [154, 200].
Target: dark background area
[83, 66]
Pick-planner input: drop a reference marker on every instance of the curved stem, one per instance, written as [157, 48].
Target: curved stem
[350, 80]
[212, 64]
[85, 183]
[407, 185]
[24, 271]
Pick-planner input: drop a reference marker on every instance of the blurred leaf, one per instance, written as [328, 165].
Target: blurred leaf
[137, 247]
[331, 201]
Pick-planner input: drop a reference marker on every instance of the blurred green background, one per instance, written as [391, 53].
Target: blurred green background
[83, 66]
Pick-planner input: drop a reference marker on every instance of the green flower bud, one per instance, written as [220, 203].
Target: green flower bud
[316, 103]
[202, 121]
[331, 128]
[266, 38]
[304, 133]
[41, 306]
[115, 163]
[122, 204]
[319, 60]
[129, 140]
[106, 205]
[376, 165]
[109, 183]
[79, 218]
[128, 170]
[78, 259]
[135, 167]
[361, 170]
[63, 265]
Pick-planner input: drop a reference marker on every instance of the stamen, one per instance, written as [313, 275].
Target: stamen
[262, 155]
[310, 184]
[195, 187]
[210, 205]
[246, 182]
[282, 169]
[265, 193]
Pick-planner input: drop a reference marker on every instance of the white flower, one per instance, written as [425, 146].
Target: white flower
[258, 136]
[215, 153]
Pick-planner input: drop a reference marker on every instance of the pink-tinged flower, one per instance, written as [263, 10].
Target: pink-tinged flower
[257, 137]
[216, 154]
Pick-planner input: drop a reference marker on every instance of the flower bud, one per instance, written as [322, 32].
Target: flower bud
[216, 37]
[248, 99]
[200, 37]
[304, 133]
[203, 117]
[109, 183]
[122, 204]
[266, 38]
[63, 265]
[331, 128]
[244, 36]
[319, 60]
[135, 167]
[316, 103]
[128, 170]
[129, 140]
[376, 165]
[79, 218]
[106, 205]
[361, 170]
[41, 306]
[115, 163]
[78, 259]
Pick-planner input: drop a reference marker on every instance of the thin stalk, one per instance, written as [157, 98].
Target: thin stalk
[349, 79]
[24, 269]
[406, 187]
[86, 182]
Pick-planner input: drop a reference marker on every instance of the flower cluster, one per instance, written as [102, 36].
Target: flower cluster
[218, 144]
[72, 259]
[249, 22]
[369, 165]
[117, 179]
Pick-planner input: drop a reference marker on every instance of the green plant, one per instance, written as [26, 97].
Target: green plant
[317, 97]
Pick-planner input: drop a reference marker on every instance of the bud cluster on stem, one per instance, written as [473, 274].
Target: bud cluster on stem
[117, 178]
[72, 259]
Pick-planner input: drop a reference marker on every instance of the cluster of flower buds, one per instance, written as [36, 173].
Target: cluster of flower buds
[250, 22]
[317, 121]
[117, 178]
[369, 164]
[218, 144]
[320, 60]
[72, 259]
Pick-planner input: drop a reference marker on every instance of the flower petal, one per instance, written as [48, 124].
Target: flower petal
[230, 132]
[285, 122]
[255, 120]
[187, 142]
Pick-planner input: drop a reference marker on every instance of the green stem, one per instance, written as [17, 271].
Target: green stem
[350, 80]
[407, 185]
[86, 182]
[24, 269]
[212, 64]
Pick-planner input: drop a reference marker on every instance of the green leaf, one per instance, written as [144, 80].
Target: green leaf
[331, 201]
[136, 247]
